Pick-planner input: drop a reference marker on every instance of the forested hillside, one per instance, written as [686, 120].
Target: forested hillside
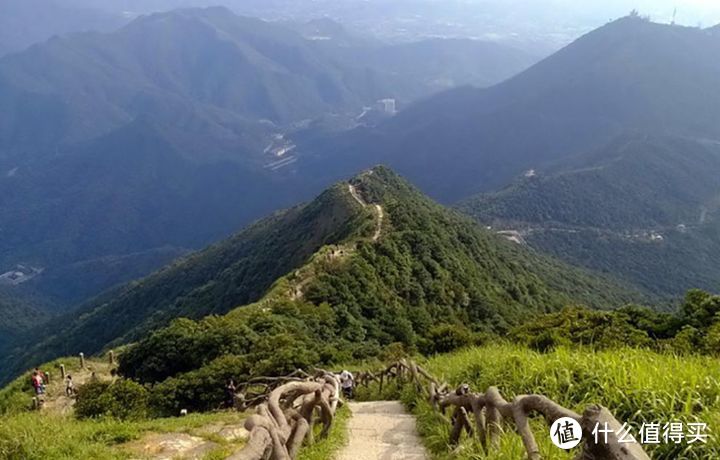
[645, 208]
[216, 280]
[18, 314]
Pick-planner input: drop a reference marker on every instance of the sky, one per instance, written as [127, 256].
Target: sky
[689, 12]
[539, 26]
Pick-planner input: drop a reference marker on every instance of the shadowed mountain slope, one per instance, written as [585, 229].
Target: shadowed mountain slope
[630, 75]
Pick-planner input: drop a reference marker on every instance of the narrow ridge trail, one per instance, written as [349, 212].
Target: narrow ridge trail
[382, 430]
[297, 290]
[378, 210]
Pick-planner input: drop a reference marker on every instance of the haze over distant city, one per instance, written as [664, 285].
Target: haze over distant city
[538, 26]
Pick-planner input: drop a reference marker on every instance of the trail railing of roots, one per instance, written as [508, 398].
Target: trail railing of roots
[287, 408]
[482, 414]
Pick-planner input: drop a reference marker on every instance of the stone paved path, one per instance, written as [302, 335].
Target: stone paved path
[382, 430]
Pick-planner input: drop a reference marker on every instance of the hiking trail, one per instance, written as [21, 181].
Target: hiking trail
[382, 430]
[378, 211]
[305, 275]
[56, 400]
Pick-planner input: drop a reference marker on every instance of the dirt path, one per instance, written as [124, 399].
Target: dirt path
[378, 210]
[379, 224]
[382, 430]
[56, 400]
[297, 289]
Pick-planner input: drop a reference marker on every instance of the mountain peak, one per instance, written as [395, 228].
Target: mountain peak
[211, 12]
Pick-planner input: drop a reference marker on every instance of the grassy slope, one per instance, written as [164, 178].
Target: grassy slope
[637, 386]
[25, 434]
[31, 436]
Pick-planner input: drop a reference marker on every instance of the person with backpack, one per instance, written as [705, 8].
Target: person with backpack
[34, 382]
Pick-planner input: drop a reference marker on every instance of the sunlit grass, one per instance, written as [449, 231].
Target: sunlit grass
[636, 385]
[35, 435]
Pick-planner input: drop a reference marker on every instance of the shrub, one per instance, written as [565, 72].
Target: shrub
[548, 341]
[447, 337]
[122, 399]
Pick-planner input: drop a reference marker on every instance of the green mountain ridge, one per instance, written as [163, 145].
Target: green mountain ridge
[213, 281]
[428, 264]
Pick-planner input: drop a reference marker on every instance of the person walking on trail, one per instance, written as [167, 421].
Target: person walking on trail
[34, 382]
[69, 386]
[230, 390]
[37, 382]
[347, 382]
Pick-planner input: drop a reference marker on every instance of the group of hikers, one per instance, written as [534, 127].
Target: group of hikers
[40, 379]
[347, 384]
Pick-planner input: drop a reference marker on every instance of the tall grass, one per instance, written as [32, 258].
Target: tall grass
[636, 385]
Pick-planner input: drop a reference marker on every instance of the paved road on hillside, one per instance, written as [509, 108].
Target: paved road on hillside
[382, 430]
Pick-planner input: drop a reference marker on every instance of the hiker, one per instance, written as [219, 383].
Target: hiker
[230, 389]
[34, 382]
[37, 382]
[69, 386]
[347, 382]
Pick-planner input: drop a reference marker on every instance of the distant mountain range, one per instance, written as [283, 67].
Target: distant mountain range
[630, 75]
[26, 22]
[607, 145]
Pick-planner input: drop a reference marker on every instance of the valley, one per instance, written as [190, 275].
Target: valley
[305, 236]
[112, 155]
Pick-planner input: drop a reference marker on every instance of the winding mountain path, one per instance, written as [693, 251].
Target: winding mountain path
[378, 210]
[382, 430]
[297, 290]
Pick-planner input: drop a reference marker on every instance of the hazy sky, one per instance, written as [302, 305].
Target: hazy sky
[541, 26]
[689, 12]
